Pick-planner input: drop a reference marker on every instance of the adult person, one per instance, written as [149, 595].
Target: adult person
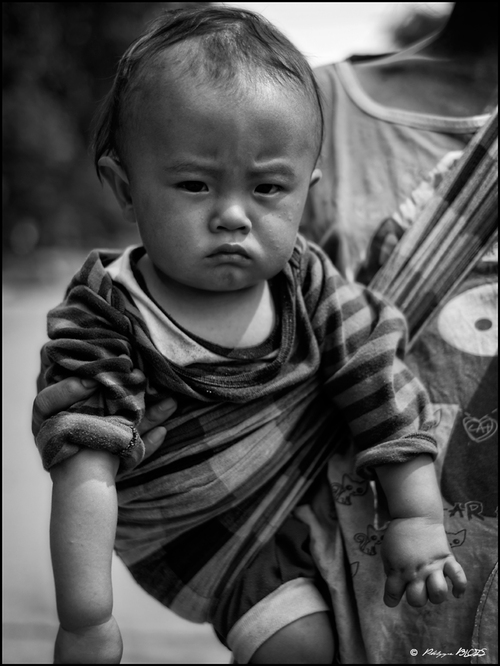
[394, 125]
[391, 119]
[394, 119]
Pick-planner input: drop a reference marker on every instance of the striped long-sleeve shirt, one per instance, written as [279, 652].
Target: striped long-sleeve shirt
[248, 438]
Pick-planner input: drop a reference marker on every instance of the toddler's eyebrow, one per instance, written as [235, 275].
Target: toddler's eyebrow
[177, 167]
[278, 168]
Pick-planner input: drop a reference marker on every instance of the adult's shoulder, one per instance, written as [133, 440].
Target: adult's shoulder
[327, 78]
[326, 71]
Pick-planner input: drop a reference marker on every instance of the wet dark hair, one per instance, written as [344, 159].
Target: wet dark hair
[228, 41]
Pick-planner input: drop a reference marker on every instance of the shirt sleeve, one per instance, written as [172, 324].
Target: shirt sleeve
[89, 338]
[362, 339]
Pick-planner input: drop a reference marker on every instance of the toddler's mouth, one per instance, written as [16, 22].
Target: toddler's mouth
[230, 248]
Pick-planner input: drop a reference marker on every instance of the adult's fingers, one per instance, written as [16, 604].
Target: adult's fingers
[153, 440]
[151, 433]
[58, 397]
[156, 415]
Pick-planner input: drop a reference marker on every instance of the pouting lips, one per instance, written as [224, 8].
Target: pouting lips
[230, 249]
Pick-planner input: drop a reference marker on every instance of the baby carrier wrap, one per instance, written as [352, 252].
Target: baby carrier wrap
[247, 439]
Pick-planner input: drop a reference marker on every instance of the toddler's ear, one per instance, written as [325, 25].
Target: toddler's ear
[117, 179]
[315, 176]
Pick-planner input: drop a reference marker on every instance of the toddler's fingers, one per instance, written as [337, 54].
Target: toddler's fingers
[156, 415]
[437, 589]
[394, 590]
[456, 574]
[416, 593]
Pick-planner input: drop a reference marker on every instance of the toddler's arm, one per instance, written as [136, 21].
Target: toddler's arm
[415, 549]
[82, 534]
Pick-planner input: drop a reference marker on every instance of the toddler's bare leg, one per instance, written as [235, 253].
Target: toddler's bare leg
[308, 640]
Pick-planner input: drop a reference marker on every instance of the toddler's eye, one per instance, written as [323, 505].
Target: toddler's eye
[193, 186]
[268, 188]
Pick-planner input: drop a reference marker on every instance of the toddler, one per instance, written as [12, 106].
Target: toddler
[210, 139]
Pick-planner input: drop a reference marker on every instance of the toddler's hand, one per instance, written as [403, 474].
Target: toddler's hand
[97, 644]
[417, 558]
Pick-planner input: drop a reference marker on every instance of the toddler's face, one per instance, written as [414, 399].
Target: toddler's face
[218, 181]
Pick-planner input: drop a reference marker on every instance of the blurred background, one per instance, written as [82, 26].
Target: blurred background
[59, 60]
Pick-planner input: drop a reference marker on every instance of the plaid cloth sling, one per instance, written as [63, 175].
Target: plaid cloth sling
[247, 440]
[452, 233]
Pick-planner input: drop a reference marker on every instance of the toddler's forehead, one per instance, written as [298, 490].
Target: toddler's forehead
[168, 76]
[178, 75]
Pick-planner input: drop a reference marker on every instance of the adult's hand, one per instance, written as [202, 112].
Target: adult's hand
[58, 397]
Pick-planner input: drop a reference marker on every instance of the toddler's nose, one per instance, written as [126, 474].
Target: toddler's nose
[231, 218]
